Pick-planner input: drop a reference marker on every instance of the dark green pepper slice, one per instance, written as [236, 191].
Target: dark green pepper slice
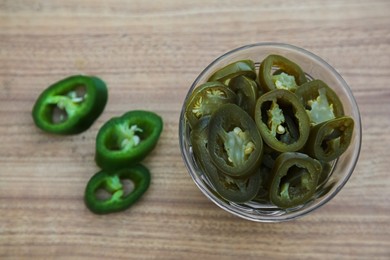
[330, 139]
[206, 98]
[238, 190]
[246, 91]
[282, 120]
[289, 75]
[71, 105]
[295, 179]
[234, 143]
[106, 192]
[126, 140]
[232, 70]
[320, 101]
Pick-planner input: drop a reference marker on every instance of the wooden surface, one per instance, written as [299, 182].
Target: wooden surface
[149, 53]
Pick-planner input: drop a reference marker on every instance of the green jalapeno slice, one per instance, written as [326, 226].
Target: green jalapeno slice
[126, 140]
[295, 178]
[232, 70]
[235, 144]
[107, 192]
[320, 101]
[71, 105]
[238, 190]
[289, 75]
[282, 120]
[246, 91]
[207, 98]
[330, 139]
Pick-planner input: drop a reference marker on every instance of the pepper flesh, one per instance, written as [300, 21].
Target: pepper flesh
[295, 179]
[71, 105]
[111, 183]
[285, 81]
[127, 140]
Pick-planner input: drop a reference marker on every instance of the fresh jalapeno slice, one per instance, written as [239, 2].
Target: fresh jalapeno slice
[71, 105]
[246, 91]
[320, 101]
[289, 75]
[234, 143]
[238, 190]
[295, 179]
[238, 68]
[330, 139]
[107, 192]
[126, 140]
[282, 120]
[206, 98]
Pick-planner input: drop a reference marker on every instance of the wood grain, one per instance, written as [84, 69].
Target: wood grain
[149, 53]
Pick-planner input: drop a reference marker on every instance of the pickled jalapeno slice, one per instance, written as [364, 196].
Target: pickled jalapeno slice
[320, 101]
[330, 139]
[294, 180]
[234, 142]
[232, 70]
[282, 120]
[289, 74]
[238, 190]
[207, 98]
[246, 91]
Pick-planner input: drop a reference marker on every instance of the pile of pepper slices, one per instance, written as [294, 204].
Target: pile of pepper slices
[70, 106]
[269, 135]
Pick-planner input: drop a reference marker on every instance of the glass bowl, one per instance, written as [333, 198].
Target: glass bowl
[342, 168]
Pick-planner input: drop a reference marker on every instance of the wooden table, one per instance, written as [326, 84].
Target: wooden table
[149, 53]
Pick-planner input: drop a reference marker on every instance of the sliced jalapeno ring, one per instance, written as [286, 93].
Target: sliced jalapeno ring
[295, 179]
[330, 139]
[238, 190]
[320, 101]
[71, 105]
[235, 144]
[246, 91]
[113, 196]
[282, 120]
[289, 75]
[207, 98]
[232, 70]
[127, 140]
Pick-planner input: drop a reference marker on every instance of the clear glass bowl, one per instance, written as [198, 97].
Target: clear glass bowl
[314, 67]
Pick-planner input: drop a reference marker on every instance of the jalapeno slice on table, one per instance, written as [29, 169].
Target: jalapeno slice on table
[71, 105]
[126, 140]
[320, 101]
[295, 178]
[246, 91]
[238, 190]
[207, 98]
[234, 142]
[282, 120]
[330, 139]
[232, 70]
[289, 75]
[109, 192]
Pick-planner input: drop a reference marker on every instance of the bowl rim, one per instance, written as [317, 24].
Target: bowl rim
[295, 214]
